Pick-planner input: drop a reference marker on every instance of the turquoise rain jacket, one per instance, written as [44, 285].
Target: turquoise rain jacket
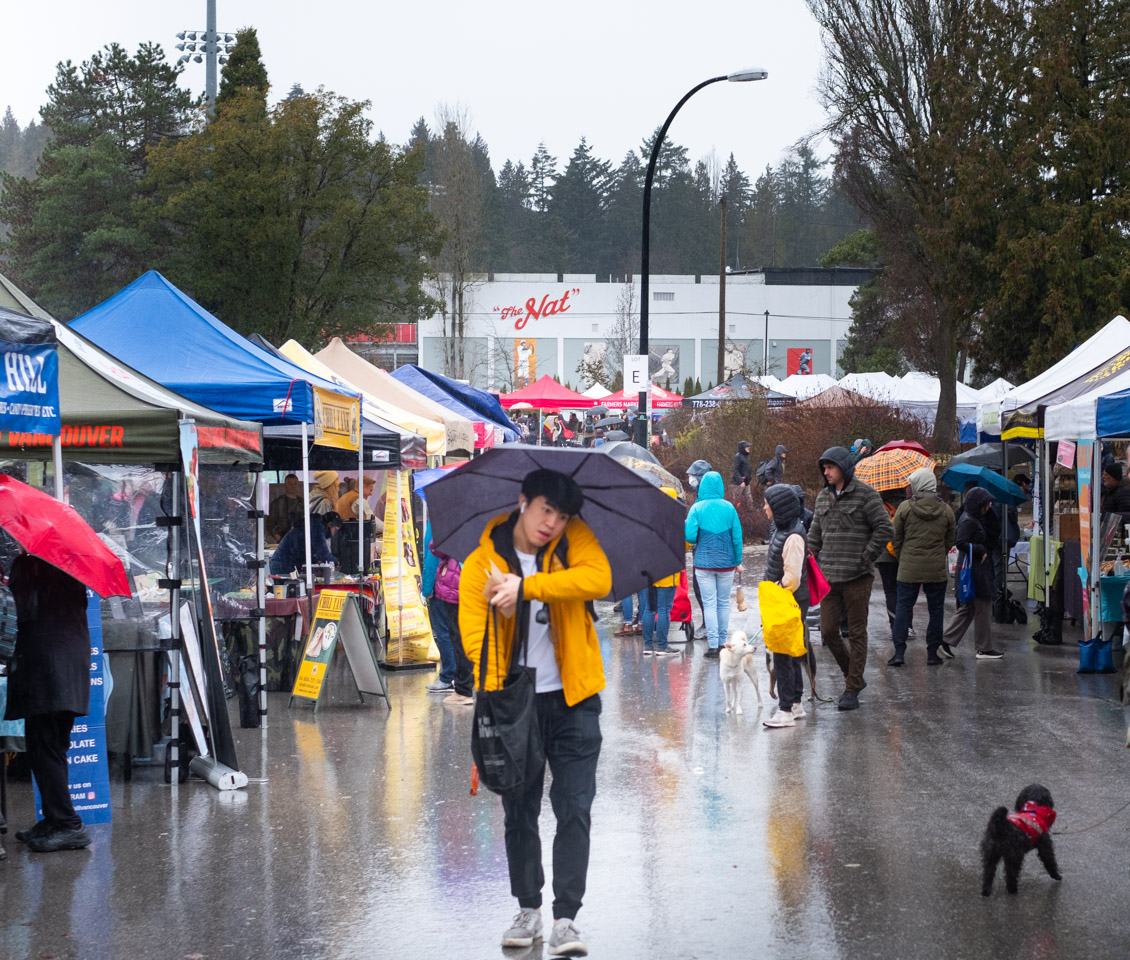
[713, 527]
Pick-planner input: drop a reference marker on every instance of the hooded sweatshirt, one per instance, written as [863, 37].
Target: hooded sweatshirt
[849, 528]
[971, 540]
[713, 528]
[924, 532]
[741, 472]
[775, 468]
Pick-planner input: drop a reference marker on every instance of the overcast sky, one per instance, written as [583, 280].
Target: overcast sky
[524, 72]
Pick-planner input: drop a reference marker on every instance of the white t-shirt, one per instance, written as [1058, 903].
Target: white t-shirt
[539, 654]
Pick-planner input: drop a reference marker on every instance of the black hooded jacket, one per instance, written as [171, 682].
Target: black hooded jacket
[972, 542]
[741, 472]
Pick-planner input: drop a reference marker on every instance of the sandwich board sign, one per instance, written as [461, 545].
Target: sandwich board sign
[338, 618]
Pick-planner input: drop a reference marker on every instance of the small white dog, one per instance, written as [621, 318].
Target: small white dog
[735, 658]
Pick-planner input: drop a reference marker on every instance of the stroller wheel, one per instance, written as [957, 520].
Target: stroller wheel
[688, 630]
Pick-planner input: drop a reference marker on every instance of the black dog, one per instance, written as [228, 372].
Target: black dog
[1009, 836]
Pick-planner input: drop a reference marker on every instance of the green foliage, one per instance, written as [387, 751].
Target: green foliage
[294, 224]
[857, 249]
[245, 75]
[688, 387]
[697, 387]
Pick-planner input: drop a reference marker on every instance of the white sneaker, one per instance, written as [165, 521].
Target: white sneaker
[565, 940]
[780, 719]
[910, 633]
[799, 712]
[525, 929]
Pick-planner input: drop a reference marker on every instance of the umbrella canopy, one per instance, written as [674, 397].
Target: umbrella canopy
[51, 530]
[890, 469]
[609, 421]
[548, 394]
[616, 435]
[652, 473]
[599, 411]
[1002, 489]
[904, 445]
[639, 527]
[989, 455]
[621, 449]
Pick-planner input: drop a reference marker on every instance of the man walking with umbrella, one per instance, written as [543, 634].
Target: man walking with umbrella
[552, 565]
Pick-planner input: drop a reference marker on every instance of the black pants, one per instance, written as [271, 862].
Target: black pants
[790, 678]
[571, 737]
[48, 737]
[935, 604]
[888, 573]
[464, 672]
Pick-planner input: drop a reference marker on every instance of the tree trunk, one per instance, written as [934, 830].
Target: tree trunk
[945, 423]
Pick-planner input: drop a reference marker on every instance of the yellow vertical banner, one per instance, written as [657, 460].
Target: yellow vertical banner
[409, 630]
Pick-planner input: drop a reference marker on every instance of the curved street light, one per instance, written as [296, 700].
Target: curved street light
[738, 76]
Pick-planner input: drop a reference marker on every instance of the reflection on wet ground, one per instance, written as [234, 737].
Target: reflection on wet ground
[850, 835]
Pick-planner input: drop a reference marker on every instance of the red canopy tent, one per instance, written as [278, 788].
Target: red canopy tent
[548, 394]
[660, 399]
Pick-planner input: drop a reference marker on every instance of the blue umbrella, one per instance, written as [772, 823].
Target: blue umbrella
[1002, 489]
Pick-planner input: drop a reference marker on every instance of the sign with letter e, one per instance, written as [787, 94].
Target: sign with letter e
[635, 373]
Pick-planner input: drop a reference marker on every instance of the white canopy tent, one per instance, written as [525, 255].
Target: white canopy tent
[803, 386]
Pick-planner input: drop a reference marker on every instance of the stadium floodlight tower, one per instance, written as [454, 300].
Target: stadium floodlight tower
[209, 46]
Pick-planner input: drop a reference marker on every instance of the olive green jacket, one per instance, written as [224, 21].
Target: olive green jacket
[924, 534]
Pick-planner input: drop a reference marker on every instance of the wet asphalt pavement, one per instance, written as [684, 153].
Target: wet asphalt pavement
[852, 835]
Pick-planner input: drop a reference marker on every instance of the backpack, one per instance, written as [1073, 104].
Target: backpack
[763, 472]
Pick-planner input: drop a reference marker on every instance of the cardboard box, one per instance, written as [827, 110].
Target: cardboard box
[1068, 526]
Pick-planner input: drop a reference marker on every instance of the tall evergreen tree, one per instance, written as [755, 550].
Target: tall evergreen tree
[576, 211]
[245, 73]
[623, 219]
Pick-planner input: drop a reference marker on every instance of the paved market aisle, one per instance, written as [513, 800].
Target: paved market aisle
[851, 835]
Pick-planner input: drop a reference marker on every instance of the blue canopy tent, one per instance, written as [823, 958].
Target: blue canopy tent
[470, 402]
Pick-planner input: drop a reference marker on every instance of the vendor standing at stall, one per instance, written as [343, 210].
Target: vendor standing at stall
[285, 512]
[291, 552]
[48, 686]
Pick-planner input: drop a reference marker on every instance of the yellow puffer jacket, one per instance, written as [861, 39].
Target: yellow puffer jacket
[564, 591]
[668, 581]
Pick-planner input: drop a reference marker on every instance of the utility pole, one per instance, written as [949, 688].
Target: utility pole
[722, 298]
[765, 359]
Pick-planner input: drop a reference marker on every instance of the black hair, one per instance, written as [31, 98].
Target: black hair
[560, 492]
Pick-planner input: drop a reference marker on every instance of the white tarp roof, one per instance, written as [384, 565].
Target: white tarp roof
[1107, 343]
[597, 392]
[876, 386]
[1075, 419]
[995, 390]
[803, 386]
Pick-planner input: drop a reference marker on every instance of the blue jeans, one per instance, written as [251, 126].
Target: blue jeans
[715, 586]
[655, 634]
[626, 603]
[437, 613]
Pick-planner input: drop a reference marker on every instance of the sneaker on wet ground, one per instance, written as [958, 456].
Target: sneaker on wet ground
[799, 713]
[565, 940]
[441, 686]
[848, 701]
[458, 699]
[65, 839]
[700, 633]
[780, 719]
[910, 632]
[525, 929]
[946, 651]
[648, 651]
[711, 653]
[933, 660]
[989, 655]
[896, 660]
[666, 652]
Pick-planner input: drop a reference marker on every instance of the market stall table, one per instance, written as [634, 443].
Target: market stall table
[285, 616]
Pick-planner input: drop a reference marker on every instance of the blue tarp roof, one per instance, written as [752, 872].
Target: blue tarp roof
[468, 401]
[165, 334]
[1112, 415]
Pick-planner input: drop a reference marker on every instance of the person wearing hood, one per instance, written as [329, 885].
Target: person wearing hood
[552, 566]
[784, 565]
[741, 474]
[973, 547]
[924, 534]
[850, 528]
[774, 471]
[714, 530]
[695, 472]
[861, 449]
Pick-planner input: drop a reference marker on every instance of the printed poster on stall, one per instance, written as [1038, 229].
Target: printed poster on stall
[1084, 456]
[800, 361]
[88, 770]
[337, 618]
[1065, 455]
[409, 630]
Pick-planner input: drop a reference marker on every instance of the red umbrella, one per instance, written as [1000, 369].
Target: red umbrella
[53, 531]
[905, 445]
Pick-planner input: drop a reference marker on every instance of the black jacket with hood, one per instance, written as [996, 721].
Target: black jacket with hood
[971, 539]
[742, 472]
[775, 468]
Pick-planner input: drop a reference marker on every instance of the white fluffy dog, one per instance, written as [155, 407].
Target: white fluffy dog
[735, 658]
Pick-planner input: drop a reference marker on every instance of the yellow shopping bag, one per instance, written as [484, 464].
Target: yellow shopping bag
[781, 625]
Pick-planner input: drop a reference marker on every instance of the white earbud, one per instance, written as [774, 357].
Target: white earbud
[521, 508]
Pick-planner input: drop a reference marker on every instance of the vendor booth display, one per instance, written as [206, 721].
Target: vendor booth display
[549, 395]
[738, 387]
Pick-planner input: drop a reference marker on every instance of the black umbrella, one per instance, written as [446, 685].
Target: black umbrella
[609, 421]
[599, 411]
[621, 449]
[989, 455]
[616, 435]
[639, 526]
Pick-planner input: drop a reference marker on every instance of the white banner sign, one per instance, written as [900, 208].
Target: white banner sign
[635, 373]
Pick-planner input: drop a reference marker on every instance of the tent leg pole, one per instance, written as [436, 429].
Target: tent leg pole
[57, 460]
[1096, 530]
[306, 510]
[362, 566]
[174, 636]
[261, 506]
[1046, 518]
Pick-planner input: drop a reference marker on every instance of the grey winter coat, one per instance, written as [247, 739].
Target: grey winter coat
[924, 534]
[849, 530]
[50, 671]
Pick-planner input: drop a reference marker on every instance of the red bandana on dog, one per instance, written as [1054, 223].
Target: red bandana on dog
[1035, 820]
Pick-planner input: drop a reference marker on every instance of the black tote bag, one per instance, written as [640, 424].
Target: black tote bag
[505, 739]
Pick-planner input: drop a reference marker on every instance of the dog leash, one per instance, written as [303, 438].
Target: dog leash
[1067, 833]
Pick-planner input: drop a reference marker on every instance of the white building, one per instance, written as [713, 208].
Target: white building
[522, 326]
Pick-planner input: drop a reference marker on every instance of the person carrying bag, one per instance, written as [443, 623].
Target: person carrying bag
[524, 622]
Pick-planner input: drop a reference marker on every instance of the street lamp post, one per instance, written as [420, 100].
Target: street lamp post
[739, 76]
[208, 45]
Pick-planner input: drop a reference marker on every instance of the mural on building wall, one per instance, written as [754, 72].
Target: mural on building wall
[663, 364]
[595, 353]
[525, 367]
[535, 309]
[800, 361]
[734, 358]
